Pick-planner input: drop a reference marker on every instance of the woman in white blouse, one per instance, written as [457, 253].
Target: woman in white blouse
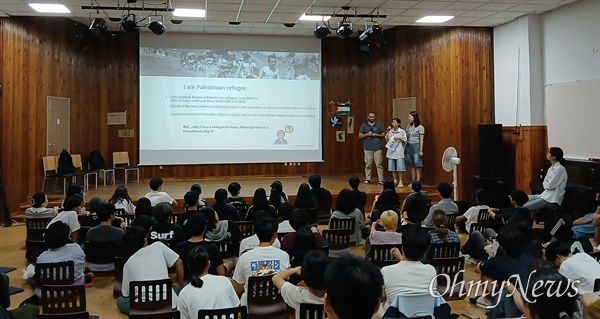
[554, 182]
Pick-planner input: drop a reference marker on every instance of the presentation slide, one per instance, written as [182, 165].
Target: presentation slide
[229, 99]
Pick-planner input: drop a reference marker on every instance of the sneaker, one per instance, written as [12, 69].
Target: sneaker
[471, 260]
[480, 302]
[367, 182]
[400, 185]
[380, 183]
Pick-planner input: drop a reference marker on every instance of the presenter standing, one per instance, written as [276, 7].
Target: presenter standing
[414, 146]
[395, 140]
[372, 132]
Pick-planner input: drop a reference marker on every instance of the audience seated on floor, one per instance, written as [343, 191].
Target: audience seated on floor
[164, 231]
[26, 310]
[321, 194]
[136, 268]
[360, 198]
[312, 272]
[196, 226]
[445, 204]
[517, 199]
[262, 260]
[156, 195]
[224, 210]
[583, 227]
[205, 291]
[39, 207]
[69, 216]
[472, 214]
[260, 202]
[121, 200]
[253, 241]
[580, 266]
[60, 249]
[389, 236]
[235, 198]
[284, 211]
[410, 275]
[353, 287]
[345, 208]
[591, 303]
[304, 198]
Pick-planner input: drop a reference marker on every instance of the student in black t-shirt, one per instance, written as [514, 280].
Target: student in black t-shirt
[359, 197]
[321, 194]
[196, 226]
[224, 210]
[191, 200]
[168, 233]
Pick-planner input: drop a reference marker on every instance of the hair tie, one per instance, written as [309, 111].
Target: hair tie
[442, 226]
[31, 201]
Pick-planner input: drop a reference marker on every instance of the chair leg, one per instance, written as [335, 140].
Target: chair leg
[44, 183]
[96, 179]
[64, 186]
[125, 171]
[138, 175]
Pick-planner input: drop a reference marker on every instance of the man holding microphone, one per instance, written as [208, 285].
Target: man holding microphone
[372, 132]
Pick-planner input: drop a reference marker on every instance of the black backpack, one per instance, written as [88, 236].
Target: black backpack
[65, 163]
[96, 160]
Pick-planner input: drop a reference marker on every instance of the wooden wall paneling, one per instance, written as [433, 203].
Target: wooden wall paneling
[525, 156]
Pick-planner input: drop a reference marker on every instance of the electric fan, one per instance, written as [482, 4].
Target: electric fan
[449, 162]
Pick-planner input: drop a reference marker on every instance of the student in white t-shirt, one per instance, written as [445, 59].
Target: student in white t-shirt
[262, 260]
[121, 200]
[149, 262]
[410, 275]
[313, 273]
[471, 215]
[252, 242]
[580, 266]
[205, 291]
[156, 195]
[69, 215]
[395, 140]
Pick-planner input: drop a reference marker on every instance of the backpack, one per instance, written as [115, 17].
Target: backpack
[96, 160]
[65, 163]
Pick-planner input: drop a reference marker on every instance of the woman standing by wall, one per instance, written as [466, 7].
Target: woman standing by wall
[414, 145]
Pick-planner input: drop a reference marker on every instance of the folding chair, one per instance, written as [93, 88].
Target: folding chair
[63, 299]
[121, 161]
[264, 300]
[61, 273]
[50, 165]
[86, 173]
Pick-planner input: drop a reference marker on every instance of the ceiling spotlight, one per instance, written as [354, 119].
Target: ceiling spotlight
[371, 33]
[344, 31]
[129, 24]
[98, 27]
[289, 25]
[157, 27]
[234, 23]
[322, 32]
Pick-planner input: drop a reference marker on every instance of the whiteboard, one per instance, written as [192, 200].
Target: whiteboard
[573, 118]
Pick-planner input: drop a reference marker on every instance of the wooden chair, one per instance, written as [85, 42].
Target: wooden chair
[100, 253]
[339, 241]
[264, 300]
[61, 273]
[121, 162]
[418, 210]
[312, 311]
[85, 173]
[241, 207]
[34, 238]
[246, 228]
[323, 212]
[119, 265]
[342, 223]
[150, 297]
[50, 165]
[444, 250]
[483, 221]
[451, 220]
[381, 256]
[235, 313]
[451, 267]
[63, 299]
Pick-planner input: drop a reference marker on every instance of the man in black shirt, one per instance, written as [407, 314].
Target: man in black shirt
[197, 224]
[321, 194]
[168, 233]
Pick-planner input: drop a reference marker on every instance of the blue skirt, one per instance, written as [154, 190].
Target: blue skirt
[412, 157]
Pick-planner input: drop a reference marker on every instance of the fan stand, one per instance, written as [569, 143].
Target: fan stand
[454, 179]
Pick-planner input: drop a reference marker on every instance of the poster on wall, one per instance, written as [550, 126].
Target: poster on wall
[340, 136]
[335, 121]
[350, 125]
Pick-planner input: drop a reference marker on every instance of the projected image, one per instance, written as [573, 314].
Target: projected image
[230, 64]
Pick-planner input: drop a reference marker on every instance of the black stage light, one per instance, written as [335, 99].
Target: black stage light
[322, 32]
[157, 27]
[371, 34]
[129, 23]
[344, 31]
[98, 27]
